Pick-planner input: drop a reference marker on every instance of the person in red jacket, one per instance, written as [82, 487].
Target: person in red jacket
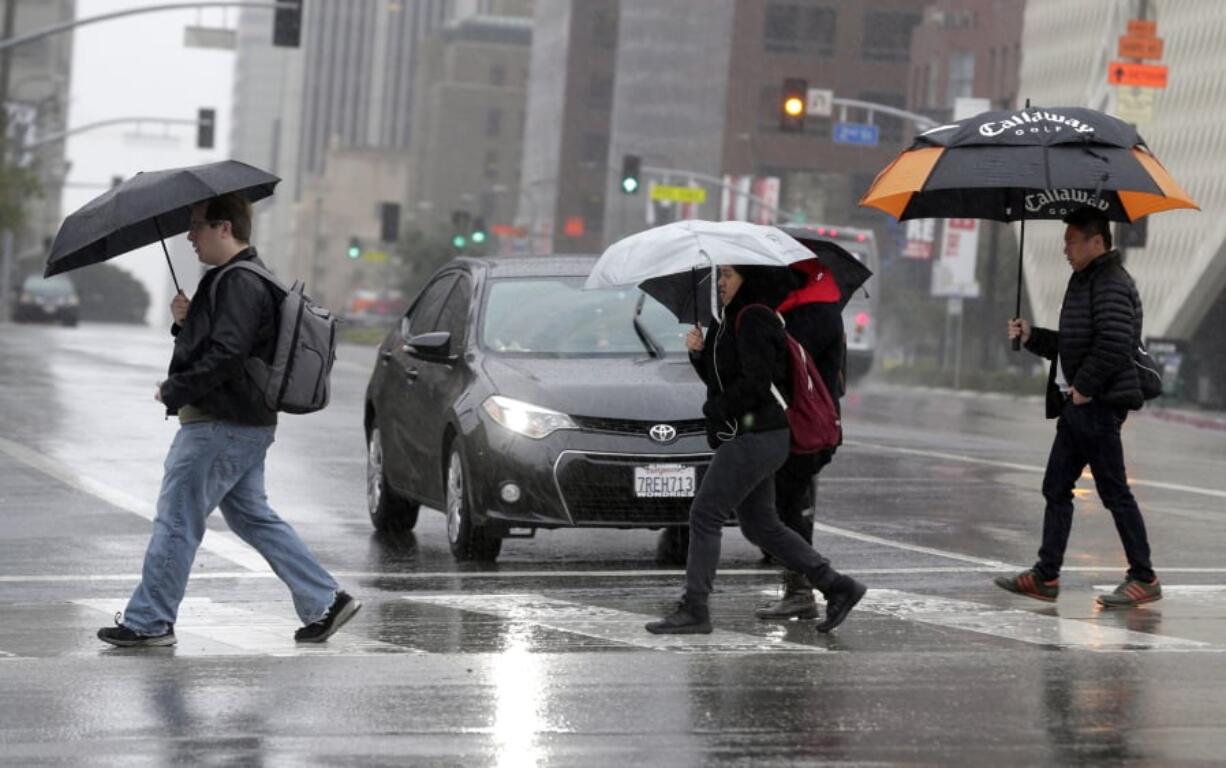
[815, 320]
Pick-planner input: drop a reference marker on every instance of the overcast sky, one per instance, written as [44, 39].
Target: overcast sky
[138, 66]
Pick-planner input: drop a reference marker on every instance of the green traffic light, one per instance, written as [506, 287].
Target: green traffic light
[630, 185]
[478, 237]
[458, 241]
[355, 252]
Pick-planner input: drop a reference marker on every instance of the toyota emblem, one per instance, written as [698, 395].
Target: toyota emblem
[663, 433]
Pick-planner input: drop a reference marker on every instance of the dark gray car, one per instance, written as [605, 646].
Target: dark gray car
[513, 400]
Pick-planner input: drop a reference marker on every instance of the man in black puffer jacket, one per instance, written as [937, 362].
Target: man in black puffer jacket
[1092, 384]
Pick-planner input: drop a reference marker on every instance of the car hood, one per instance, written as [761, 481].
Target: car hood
[620, 387]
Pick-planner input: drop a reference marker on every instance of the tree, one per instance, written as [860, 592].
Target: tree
[422, 254]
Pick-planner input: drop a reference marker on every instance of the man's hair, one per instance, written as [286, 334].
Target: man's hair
[1090, 222]
[234, 208]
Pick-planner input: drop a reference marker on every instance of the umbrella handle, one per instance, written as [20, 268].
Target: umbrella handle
[162, 240]
[1017, 312]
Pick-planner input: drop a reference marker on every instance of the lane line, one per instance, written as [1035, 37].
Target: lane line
[849, 534]
[1211, 492]
[233, 631]
[223, 544]
[620, 627]
[1023, 626]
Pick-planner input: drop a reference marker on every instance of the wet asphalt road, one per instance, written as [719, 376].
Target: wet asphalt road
[541, 658]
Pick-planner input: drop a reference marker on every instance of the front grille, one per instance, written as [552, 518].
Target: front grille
[600, 489]
[638, 427]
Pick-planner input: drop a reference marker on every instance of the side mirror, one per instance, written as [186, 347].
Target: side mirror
[430, 346]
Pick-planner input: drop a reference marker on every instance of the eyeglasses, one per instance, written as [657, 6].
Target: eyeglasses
[196, 226]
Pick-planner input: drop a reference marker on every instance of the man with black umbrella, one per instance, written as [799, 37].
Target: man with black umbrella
[814, 318]
[217, 457]
[1092, 384]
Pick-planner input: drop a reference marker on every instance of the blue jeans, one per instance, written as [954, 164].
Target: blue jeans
[220, 464]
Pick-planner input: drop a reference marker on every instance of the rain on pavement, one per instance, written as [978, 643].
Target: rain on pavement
[541, 658]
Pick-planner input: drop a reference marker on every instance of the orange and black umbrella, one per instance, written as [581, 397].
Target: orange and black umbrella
[1032, 163]
[1027, 164]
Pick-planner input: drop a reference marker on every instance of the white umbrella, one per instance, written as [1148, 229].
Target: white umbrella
[684, 246]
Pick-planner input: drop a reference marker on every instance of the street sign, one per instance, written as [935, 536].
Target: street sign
[1135, 105]
[695, 195]
[820, 102]
[860, 134]
[1143, 75]
[1140, 48]
[1142, 27]
[379, 257]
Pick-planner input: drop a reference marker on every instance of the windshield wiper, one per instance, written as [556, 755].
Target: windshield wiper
[653, 347]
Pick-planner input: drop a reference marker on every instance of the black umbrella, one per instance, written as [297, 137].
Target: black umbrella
[148, 208]
[849, 272]
[686, 294]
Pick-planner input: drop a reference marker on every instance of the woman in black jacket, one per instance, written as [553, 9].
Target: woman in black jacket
[739, 360]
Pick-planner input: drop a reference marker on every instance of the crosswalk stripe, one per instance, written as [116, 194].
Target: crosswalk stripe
[1023, 626]
[227, 630]
[621, 627]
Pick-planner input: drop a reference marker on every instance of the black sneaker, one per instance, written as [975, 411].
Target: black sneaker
[1030, 584]
[343, 609]
[124, 637]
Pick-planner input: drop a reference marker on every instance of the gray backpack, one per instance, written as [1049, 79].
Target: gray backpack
[297, 379]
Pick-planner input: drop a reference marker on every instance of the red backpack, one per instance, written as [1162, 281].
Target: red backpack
[813, 418]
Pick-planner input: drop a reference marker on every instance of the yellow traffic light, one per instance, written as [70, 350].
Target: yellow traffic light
[794, 106]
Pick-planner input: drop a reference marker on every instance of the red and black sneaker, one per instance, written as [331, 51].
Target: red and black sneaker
[1132, 592]
[1030, 584]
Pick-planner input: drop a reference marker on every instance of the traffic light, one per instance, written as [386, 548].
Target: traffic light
[389, 222]
[792, 104]
[287, 23]
[632, 165]
[206, 121]
[478, 231]
[460, 221]
[355, 248]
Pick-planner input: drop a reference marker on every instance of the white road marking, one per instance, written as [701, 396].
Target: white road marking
[227, 630]
[986, 563]
[223, 544]
[569, 575]
[621, 627]
[1211, 492]
[1022, 626]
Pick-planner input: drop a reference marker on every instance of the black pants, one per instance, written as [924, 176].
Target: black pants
[742, 477]
[1090, 434]
[794, 491]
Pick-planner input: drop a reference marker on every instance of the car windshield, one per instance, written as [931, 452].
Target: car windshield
[555, 317]
[56, 285]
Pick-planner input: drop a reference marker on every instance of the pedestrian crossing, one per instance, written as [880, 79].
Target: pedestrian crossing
[584, 620]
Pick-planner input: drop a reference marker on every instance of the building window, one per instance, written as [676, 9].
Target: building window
[595, 148]
[791, 28]
[961, 75]
[493, 122]
[491, 164]
[604, 29]
[887, 35]
[600, 90]
[498, 75]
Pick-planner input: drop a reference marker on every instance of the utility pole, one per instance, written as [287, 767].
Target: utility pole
[6, 234]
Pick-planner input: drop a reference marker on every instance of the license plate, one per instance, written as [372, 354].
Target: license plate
[656, 481]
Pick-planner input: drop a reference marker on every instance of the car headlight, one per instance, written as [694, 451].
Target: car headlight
[526, 419]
